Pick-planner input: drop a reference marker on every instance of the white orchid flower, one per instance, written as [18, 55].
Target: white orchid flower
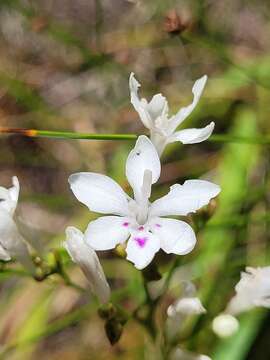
[253, 290]
[155, 116]
[83, 255]
[137, 220]
[12, 244]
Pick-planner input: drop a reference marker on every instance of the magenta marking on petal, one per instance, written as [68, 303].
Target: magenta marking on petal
[158, 225]
[125, 224]
[141, 241]
[141, 228]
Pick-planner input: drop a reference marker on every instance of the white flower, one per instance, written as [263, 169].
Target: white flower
[188, 303]
[155, 116]
[139, 221]
[12, 244]
[252, 290]
[225, 325]
[87, 259]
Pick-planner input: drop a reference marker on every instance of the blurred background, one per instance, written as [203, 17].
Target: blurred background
[64, 65]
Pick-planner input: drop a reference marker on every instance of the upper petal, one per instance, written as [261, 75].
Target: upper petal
[9, 197]
[192, 136]
[99, 193]
[176, 237]
[88, 261]
[141, 248]
[183, 113]
[143, 157]
[106, 232]
[184, 199]
[139, 105]
[158, 106]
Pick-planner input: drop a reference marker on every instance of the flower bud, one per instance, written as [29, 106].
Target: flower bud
[225, 325]
[87, 259]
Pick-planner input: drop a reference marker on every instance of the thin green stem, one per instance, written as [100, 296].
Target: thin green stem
[218, 138]
[67, 134]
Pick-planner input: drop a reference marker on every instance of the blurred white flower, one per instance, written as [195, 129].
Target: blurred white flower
[188, 303]
[12, 244]
[155, 116]
[83, 255]
[225, 325]
[139, 221]
[180, 354]
[9, 197]
[252, 290]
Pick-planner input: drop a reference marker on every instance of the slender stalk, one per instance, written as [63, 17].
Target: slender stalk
[218, 138]
[67, 134]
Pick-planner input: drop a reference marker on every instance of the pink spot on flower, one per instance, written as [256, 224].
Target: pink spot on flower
[140, 241]
[125, 224]
[158, 225]
[141, 228]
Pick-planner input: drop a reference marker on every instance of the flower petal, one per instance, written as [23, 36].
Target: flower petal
[184, 199]
[158, 107]
[99, 193]
[9, 197]
[141, 248]
[192, 136]
[12, 241]
[175, 236]
[143, 157]
[88, 261]
[183, 113]
[139, 105]
[106, 232]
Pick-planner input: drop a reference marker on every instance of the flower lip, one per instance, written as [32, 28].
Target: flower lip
[141, 241]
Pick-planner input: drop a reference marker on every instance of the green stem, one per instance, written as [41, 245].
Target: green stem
[67, 134]
[219, 138]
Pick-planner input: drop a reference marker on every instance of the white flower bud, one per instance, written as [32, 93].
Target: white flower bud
[87, 259]
[187, 306]
[225, 325]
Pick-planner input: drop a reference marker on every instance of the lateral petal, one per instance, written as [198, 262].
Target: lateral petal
[106, 232]
[99, 193]
[192, 136]
[185, 199]
[176, 237]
